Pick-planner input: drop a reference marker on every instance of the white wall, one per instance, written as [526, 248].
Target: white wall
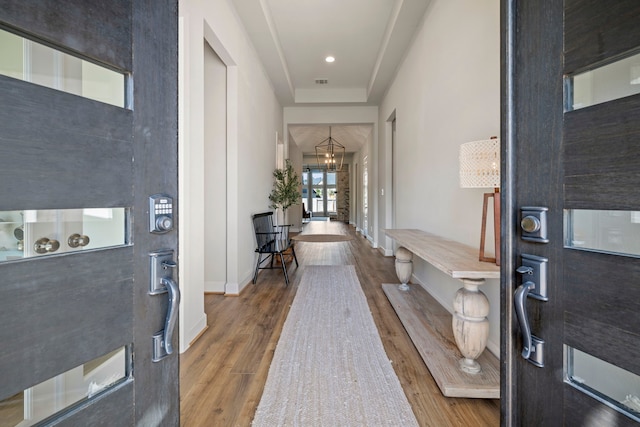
[253, 118]
[446, 92]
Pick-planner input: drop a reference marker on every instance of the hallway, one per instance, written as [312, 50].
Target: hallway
[223, 373]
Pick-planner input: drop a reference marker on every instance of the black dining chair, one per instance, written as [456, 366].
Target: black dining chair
[306, 214]
[271, 241]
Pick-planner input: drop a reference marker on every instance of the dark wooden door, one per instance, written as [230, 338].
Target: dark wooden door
[78, 149]
[571, 144]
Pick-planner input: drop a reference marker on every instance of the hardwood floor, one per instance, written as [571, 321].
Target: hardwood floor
[223, 373]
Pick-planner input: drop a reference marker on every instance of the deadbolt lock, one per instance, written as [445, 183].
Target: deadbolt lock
[530, 224]
[533, 222]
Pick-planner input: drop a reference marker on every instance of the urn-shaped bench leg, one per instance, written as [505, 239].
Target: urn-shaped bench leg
[404, 267]
[470, 323]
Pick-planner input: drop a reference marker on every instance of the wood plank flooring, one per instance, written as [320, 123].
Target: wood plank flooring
[223, 373]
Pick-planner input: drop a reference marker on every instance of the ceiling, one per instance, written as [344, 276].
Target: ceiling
[368, 39]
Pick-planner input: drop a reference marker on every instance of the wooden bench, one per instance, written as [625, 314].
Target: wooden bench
[459, 365]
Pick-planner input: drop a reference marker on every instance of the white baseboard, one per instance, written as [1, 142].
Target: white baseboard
[372, 242]
[232, 289]
[188, 336]
[214, 286]
[384, 251]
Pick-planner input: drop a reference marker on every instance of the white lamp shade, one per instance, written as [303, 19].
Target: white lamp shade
[480, 164]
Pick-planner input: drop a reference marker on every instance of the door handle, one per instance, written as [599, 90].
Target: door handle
[161, 281]
[519, 299]
[173, 291]
[532, 346]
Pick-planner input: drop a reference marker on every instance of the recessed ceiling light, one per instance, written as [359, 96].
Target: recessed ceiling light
[329, 59]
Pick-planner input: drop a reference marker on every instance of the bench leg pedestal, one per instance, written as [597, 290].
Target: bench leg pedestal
[470, 323]
[404, 267]
[470, 306]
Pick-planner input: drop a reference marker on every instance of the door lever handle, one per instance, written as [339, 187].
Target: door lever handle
[519, 299]
[524, 269]
[169, 264]
[173, 292]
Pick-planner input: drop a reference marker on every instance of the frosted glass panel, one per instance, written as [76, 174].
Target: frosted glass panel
[612, 81]
[613, 386]
[33, 62]
[11, 55]
[69, 388]
[33, 233]
[603, 231]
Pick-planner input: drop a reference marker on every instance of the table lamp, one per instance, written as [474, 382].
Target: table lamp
[480, 168]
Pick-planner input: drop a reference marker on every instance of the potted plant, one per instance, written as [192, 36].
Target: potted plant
[285, 188]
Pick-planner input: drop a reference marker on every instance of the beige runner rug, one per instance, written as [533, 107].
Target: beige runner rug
[329, 367]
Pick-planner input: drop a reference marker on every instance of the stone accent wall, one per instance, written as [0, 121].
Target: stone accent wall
[343, 198]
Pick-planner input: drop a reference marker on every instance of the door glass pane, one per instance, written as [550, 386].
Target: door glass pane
[33, 62]
[331, 178]
[33, 233]
[611, 385]
[331, 192]
[612, 81]
[69, 388]
[331, 199]
[318, 178]
[603, 231]
[318, 200]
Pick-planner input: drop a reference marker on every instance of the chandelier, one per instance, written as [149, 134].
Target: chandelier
[330, 153]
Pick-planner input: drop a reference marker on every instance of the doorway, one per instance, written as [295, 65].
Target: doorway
[319, 191]
[365, 195]
[215, 171]
[394, 171]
